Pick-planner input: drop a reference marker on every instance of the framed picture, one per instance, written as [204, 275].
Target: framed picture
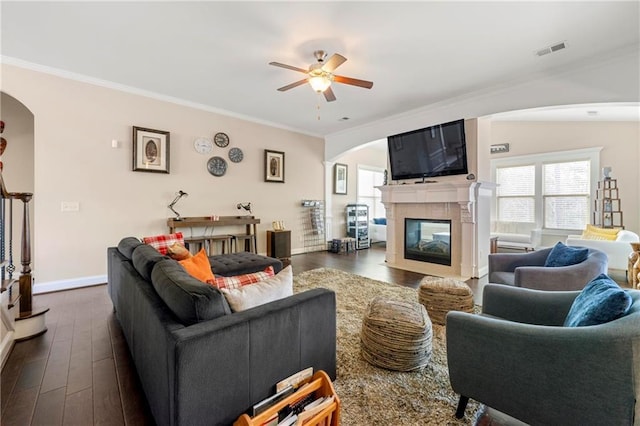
[340, 178]
[150, 150]
[273, 166]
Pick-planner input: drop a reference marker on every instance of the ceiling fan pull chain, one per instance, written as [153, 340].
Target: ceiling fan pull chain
[318, 106]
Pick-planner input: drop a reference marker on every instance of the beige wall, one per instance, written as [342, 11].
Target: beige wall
[364, 157]
[620, 142]
[75, 124]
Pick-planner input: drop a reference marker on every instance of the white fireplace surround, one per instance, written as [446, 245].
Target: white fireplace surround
[465, 203]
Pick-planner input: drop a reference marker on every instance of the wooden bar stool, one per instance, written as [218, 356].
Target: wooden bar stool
[225, 241]
[245, 239]
[195, 244]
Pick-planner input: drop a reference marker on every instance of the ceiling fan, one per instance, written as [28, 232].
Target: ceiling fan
[320, 75]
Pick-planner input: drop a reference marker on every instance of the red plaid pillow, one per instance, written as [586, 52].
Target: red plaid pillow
[163, 242]
[246, 279]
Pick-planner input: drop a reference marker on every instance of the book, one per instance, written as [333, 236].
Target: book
[268, 402]
[295, 380]
[314, 408]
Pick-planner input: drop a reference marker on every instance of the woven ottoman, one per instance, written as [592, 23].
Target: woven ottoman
[396, 335]
[441, 295]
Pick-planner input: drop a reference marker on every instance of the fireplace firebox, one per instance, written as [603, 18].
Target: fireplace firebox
[428, 240]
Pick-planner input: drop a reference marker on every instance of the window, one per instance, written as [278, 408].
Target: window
[546, 190]
[368, 179]
[515, 194]
[565, 190]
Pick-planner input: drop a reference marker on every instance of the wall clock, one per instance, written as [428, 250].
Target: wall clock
[203, 145]
[217, 166]
[236, 155]
[221, 139]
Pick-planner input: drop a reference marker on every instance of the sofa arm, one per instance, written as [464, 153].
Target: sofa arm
[508, 262]
[579, 375]
[527, 306]
[224, 366]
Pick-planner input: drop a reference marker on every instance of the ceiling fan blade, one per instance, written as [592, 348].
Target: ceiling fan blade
[328, 95]
[292, 85]
[289, 67]
[333, 62]
[353, 81]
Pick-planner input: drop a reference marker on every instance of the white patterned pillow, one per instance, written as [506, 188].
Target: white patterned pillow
[249, 296]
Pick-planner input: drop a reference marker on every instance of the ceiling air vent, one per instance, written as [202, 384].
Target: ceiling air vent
[551, 49]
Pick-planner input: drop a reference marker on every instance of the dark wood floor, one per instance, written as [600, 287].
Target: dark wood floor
[80, 373]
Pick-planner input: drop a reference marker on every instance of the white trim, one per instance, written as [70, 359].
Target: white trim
[68, 284]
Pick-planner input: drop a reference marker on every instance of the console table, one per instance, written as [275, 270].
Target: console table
[250, 223]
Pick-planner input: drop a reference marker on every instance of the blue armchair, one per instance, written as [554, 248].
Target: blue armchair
[528, 270]
[517, 358]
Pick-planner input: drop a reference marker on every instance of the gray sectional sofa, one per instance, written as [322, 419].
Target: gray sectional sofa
[200, 364]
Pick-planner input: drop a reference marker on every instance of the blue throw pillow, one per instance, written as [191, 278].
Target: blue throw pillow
[562, 255]
[601, 301]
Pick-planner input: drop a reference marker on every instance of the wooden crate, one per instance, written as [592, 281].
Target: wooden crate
[320, 385]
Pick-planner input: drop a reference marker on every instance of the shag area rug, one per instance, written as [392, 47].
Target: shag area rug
[374, 396]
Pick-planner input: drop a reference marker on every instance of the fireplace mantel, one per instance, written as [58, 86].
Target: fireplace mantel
[465, 203]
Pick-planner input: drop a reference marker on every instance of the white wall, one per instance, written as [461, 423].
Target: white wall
[74, 124]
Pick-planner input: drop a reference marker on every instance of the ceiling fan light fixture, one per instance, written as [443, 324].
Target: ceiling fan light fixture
[319, 80]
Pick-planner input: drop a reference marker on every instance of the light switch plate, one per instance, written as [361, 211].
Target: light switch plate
[70, 206]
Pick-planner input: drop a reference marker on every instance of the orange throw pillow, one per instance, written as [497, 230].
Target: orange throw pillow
[198, 267]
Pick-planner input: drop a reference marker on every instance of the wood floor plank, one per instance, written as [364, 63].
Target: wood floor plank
[80, 371]
[20, 408]
[31, 374]
[78, 408]
[57, 371]
[101, 341]
[10, 375]
[107, 408]
[49, 408]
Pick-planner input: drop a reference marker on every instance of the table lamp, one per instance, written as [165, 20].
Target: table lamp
[179, 195]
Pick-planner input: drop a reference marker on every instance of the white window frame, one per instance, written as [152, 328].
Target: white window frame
[372, 169]
[590, 154]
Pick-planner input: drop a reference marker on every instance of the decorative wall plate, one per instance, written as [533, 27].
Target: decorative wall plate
[203, 145]
[221, 139]
[217, 166]
[236, 155]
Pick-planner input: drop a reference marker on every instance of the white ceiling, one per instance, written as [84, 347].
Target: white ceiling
[215, 55]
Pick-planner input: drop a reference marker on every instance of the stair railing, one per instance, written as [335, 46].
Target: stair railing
[26, 279]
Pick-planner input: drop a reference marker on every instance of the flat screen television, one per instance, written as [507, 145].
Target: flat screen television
[439, 150]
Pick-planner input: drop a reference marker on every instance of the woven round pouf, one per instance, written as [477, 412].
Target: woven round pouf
[396, 335]
[441, 295]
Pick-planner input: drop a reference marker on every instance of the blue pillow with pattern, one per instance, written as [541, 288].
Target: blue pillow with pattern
[563, 255]
[601, 301]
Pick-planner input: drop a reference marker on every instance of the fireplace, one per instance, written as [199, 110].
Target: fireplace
[461, 210]
[428, 240]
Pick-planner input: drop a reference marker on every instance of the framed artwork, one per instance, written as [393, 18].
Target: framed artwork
[150, 150]
[340, 178]
[273, 166]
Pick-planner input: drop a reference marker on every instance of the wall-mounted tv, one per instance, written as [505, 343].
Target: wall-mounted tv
[438, 150]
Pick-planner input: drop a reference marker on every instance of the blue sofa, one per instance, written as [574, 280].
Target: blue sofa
[198, 363]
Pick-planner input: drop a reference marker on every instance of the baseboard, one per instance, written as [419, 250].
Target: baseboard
[68, 284]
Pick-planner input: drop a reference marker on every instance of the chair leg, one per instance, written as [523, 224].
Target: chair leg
[462, 405]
